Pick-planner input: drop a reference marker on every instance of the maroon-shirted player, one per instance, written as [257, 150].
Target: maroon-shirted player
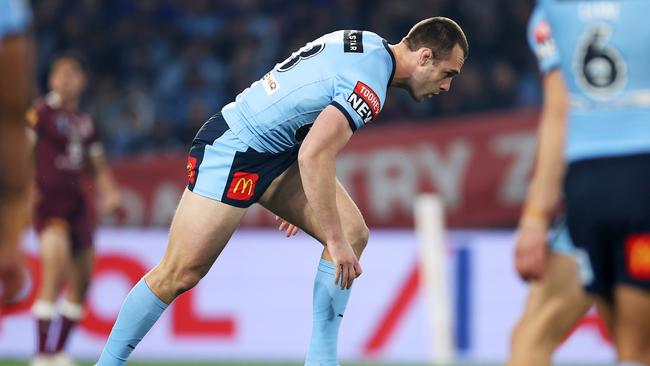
[66, 146]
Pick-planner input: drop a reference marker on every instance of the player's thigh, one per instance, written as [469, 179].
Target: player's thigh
[632, 325]
[286, 198]
[555, 302]
[199, 231]
[54, 243]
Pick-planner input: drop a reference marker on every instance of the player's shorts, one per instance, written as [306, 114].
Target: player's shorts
[74, 215]
[223, 168]
[608, 214]
[559, 240]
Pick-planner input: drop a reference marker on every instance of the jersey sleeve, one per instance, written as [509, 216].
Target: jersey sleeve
[540, 39]
[360, 90]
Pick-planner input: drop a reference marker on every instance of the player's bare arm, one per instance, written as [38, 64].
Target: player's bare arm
[317, 161]
[544, 191]
[105, 182]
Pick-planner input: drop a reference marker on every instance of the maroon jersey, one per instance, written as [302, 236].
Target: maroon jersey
[64, 139]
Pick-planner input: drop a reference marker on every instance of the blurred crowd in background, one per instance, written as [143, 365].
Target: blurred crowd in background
[159, 68]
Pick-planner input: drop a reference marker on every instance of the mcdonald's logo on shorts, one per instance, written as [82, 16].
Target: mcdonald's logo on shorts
[242, 186]
[637, 256]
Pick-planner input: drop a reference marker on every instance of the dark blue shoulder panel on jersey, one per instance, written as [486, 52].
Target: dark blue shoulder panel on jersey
[346, 114]
[392, 57]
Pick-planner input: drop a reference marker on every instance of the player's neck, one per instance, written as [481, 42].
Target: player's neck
[70, 104]
[403, 67]
[55, 100]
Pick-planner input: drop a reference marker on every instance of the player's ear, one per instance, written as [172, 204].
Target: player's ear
[424, 55]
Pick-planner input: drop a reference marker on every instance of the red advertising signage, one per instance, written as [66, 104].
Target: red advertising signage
[479, 165]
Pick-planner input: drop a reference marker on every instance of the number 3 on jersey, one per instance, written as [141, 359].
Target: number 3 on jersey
[308, 51]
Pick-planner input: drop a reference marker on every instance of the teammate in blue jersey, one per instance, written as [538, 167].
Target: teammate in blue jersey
[276, 144]
[556, 301]
[604, 49]
[16, 82]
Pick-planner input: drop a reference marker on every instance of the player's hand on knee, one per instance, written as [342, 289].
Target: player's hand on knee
[531, 251]
[284, 226]
[346, 262]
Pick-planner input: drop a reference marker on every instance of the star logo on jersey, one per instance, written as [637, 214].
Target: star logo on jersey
[242, 186]
[637, 256]
[365, 102]
[191, 169]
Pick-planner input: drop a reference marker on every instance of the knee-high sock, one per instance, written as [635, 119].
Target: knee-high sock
[70, 313]
[328, 308]
[44, 312]
[140, 311]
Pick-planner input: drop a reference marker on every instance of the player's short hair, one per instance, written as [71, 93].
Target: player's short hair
[439, 34]
[73, 56]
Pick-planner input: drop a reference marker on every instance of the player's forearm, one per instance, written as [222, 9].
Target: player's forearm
[544, 191]
[104, 179]
[318, 174]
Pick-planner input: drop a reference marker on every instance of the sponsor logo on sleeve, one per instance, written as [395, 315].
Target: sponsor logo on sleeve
[191, 169]
[242, 186]
[365, 102]
[353, 41]
[270, 84]
[637, 256]
[544, 42]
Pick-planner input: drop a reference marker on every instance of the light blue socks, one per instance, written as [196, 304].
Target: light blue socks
[142, 308]
[140, 311]
[328, 308]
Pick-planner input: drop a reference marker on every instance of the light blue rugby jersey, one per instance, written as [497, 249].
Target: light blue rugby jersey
[604, 49]
[15, 16]
[350, 70]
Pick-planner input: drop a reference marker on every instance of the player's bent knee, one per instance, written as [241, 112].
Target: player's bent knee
[168, 282]
[359, 238]
[185, 280]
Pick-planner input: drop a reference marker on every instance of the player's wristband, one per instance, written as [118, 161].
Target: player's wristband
[534, 215]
